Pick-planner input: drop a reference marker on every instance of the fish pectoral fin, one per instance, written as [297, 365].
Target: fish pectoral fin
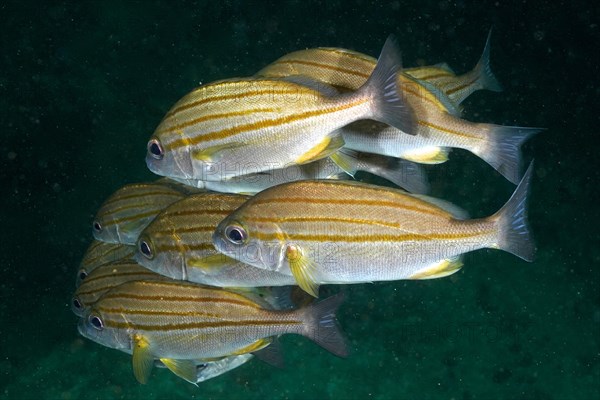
[325, 147]
[440, 269]
[212, 153]
[303, 269]
[427, 155]
[185, 369]
[143, 360]
[213, 261]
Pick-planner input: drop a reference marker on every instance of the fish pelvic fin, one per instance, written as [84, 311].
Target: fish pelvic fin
[514, 234]
[185, 369]
[143, 360]
[303, 269]
[322, 326]
[383, 86]
[502, 149]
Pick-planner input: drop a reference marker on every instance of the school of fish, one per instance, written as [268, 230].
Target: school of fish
[258, 205]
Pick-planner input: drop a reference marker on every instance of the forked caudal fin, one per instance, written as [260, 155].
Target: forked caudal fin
[502, 149]
[514, 235]
[322, 327]
[389, 105]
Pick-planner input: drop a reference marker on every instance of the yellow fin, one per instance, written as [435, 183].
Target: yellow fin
[185, 369]
[324, 148]
[215, 261]
[259, 344]
[346, 161]
[439, 270]
[211, 153]
[427, 155]
[303, 269]
[143, 361]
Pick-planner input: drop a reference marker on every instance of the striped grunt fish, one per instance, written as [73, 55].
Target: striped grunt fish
[406, 174]
[220, 129]
[458, 87]
[178, 323]
[99, 253]
[339, 231]
[178, 244]
[438, 127]
[130, 209]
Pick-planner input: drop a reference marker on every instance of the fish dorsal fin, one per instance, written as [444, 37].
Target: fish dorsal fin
[455, 211]
[143, 360]
[185, 369]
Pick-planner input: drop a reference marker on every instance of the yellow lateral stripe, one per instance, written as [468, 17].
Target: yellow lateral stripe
[191, 229]
[376, 203]
[186, 247]
[449, 131]
[324, 66]
[191, 299]
[105, 254]
[198, 325]
[133, 311]
[129, 218]
[195, 213]
[177, 128]
[327, 219]
[371, 238]
[235, 96]
[264, 124]
[433, 76]
[460, 87]
[136, 195]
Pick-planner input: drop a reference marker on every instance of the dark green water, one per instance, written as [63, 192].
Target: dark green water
[83, 85]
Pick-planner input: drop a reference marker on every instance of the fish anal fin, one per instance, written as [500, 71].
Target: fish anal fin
[256, 346]
[440, 269]
[185, 369]
[427, 155]
[325, 147]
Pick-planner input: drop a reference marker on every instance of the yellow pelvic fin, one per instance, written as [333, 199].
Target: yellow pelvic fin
[439, 270]
[212, 153]
[345, 161]
[185, 369]
[214, 261]
[259, 344]
[427, 155]
[324, 148]
[303, 269]
[143, 360]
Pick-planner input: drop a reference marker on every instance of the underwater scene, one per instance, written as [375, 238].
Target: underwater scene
[300, 200]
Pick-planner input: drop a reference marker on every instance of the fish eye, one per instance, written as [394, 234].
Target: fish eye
[96, 322]
[82, 274]
[146, 250]
[236, 234]
[97, 226]
[77, 304]
[155, 149]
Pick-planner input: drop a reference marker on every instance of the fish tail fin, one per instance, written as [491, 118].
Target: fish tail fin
[383, 86]
[322, 326]
[502, 149]
[514, 233]
[483, 70]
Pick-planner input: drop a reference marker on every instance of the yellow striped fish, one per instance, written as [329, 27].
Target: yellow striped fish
[100, 253]
[130, 209]
[178, 323]
[338, 231]
[221, 129]
[459, 87]
[178, 244]
[406, 174]
[104, 278]
[438, 127]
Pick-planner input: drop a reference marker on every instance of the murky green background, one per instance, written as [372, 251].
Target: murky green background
[84, 84]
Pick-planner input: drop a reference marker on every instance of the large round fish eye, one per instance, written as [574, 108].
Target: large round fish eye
[77, 304]
[97, 226]
[236, 234]
[96, 322]
[146, 249]
[82, 274]
[155, 149]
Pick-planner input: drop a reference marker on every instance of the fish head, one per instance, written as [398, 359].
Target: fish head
[173, 163]
[92, 326]
[241, 240]
[159, 253]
